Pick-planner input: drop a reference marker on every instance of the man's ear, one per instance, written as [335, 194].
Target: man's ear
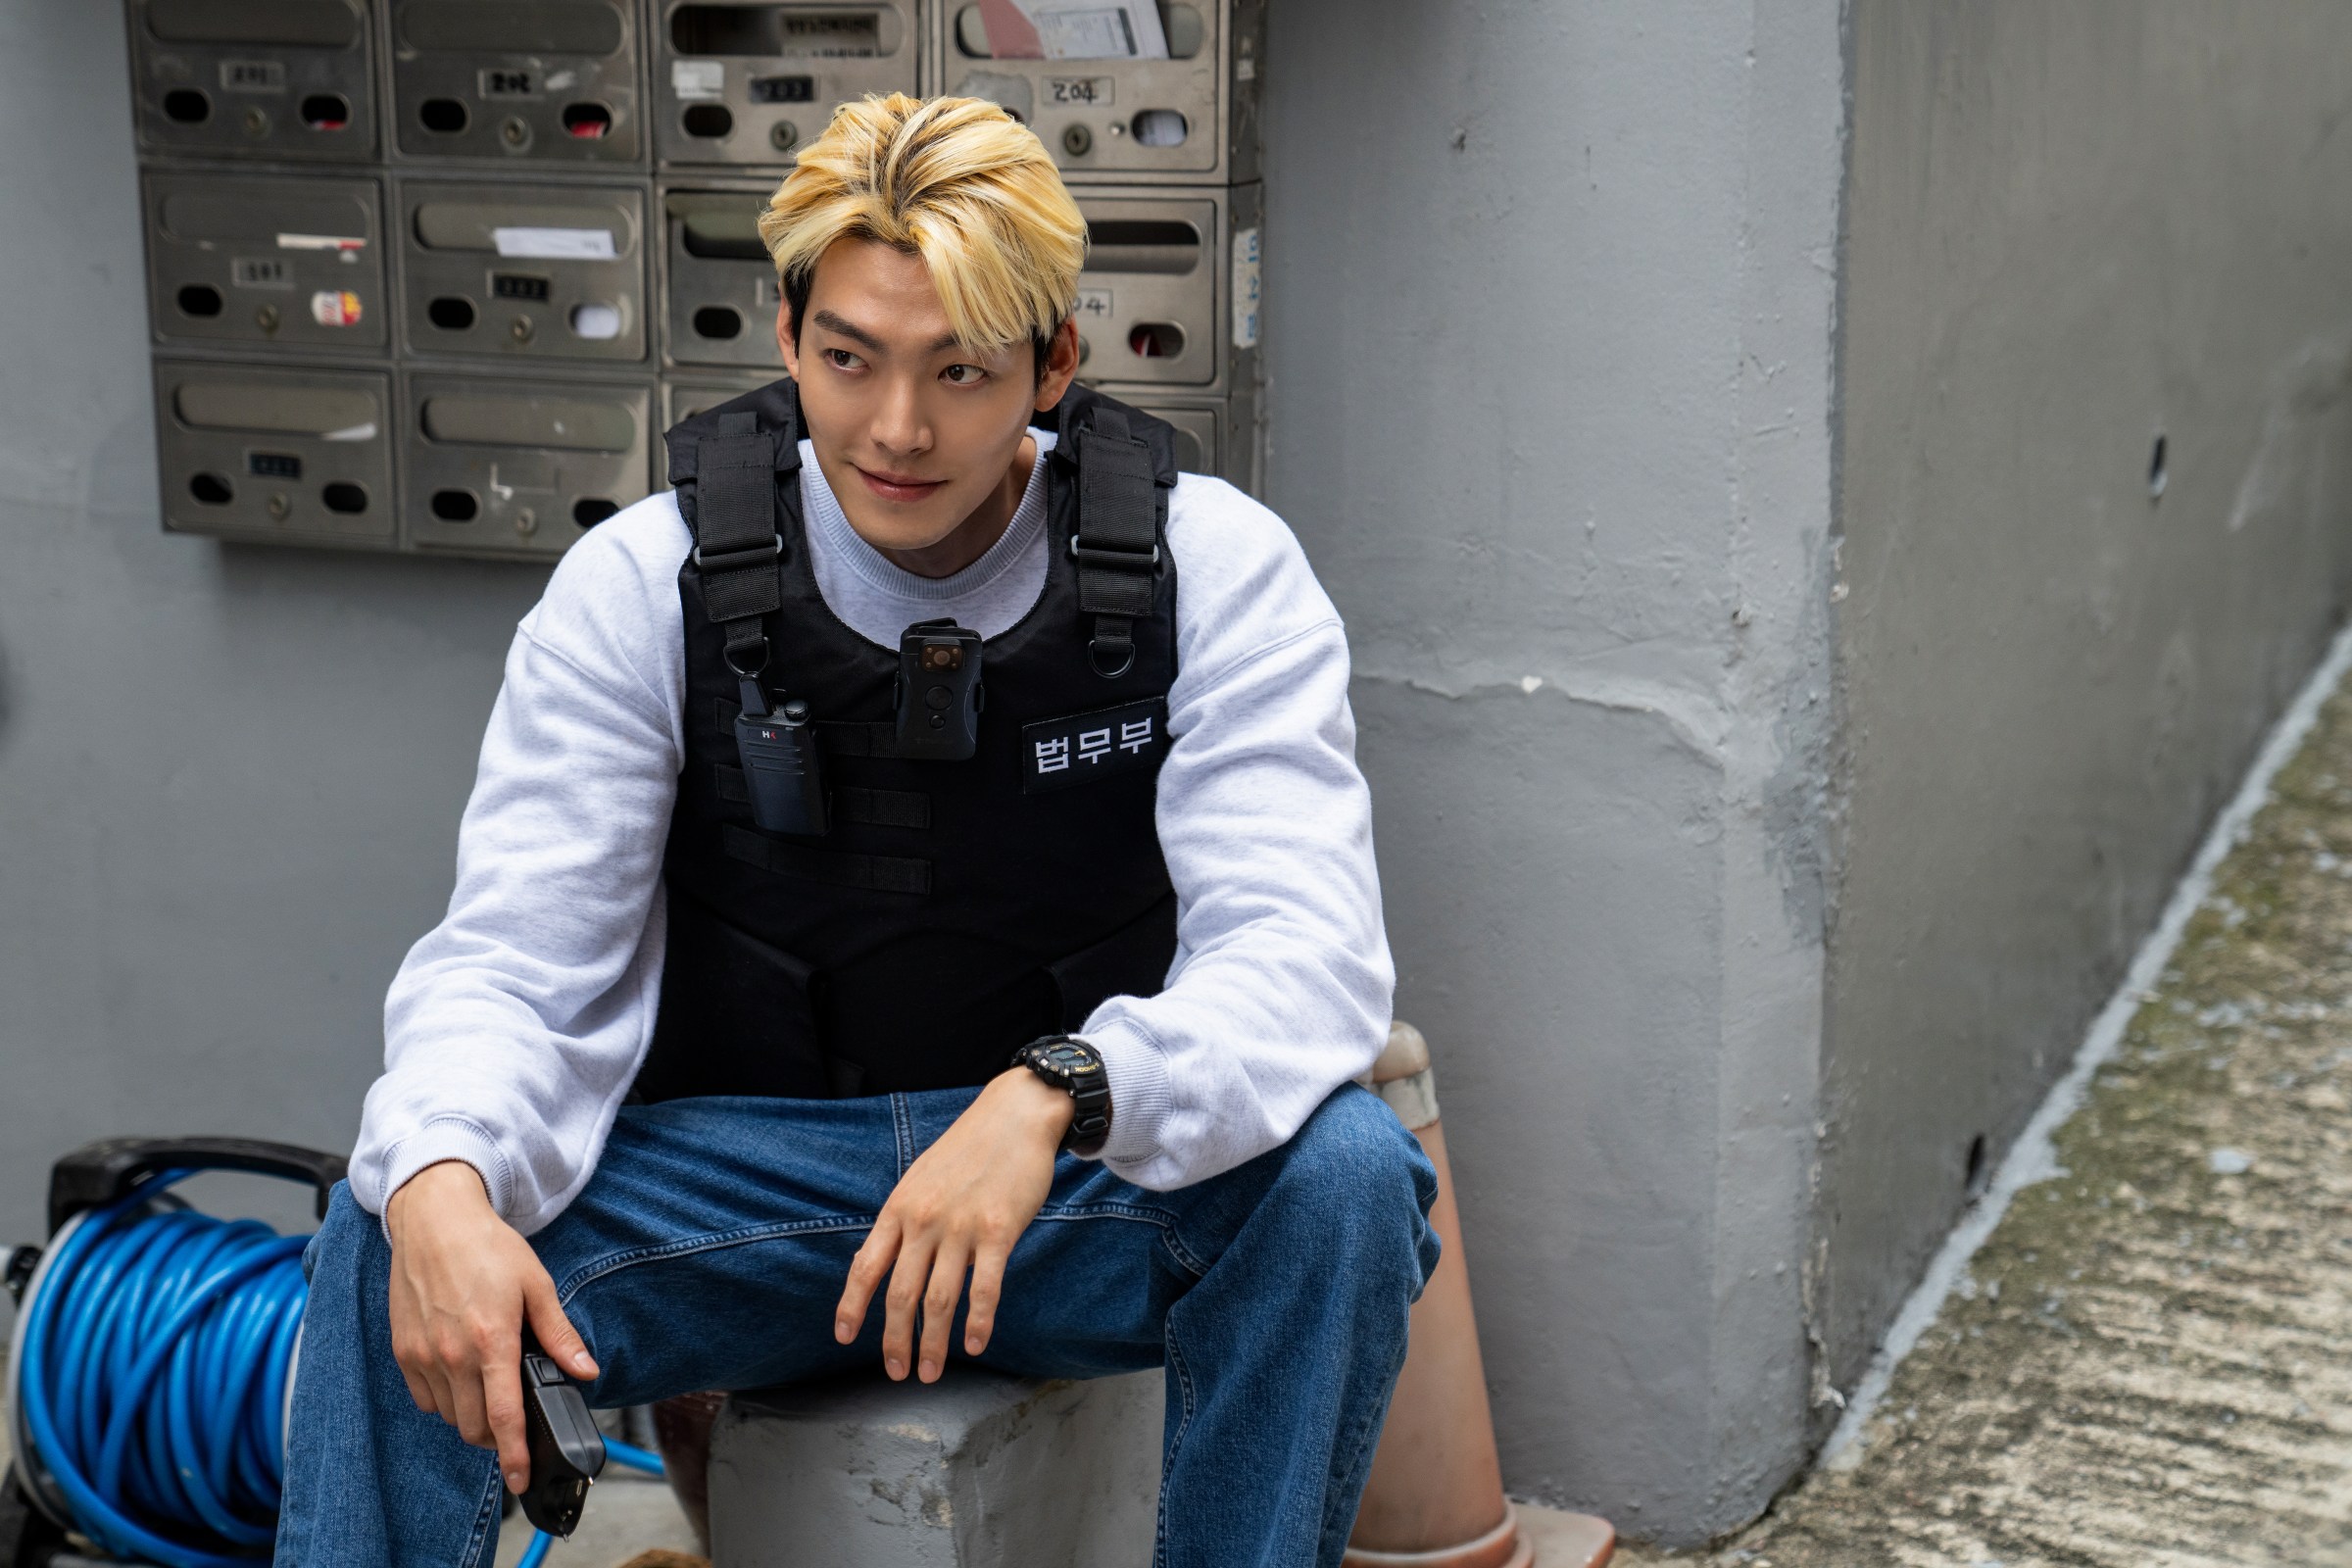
[784, 343]
[1061, 365]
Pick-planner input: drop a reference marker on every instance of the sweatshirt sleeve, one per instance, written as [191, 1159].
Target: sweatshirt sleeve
[1282, 986]
[515, 1026]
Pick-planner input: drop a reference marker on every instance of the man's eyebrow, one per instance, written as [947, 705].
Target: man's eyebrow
[858, 334]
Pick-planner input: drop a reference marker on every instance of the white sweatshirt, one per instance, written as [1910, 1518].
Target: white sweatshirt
[514, 1029]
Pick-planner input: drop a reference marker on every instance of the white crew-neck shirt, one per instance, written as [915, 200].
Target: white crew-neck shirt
[515, 1026]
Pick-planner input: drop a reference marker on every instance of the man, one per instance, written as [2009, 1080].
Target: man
[904, 734]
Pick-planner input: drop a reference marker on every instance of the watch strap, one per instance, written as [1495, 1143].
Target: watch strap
[1089, 1092]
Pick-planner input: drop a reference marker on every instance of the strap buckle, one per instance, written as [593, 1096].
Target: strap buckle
[736, 559]
[1127, 560]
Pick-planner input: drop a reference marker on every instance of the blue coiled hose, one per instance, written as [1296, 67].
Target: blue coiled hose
[157, 1351]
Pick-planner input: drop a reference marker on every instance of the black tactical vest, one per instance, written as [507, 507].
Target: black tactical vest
[955, 911]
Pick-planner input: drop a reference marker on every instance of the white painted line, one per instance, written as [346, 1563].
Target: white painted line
[2032, 1158]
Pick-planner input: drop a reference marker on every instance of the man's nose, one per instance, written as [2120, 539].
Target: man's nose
[899, 426]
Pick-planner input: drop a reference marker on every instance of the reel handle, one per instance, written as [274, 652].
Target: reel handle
[101, 1172]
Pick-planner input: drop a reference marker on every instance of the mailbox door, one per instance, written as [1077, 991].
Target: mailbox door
[746, 81]
[519, 467]
[1189, 119]
[550, 82]
[722, 295]
[522, 271]
[683, 400]
[1149, 299]
[274, 453]
[266, 260]
[254, 79]
[1196, 435]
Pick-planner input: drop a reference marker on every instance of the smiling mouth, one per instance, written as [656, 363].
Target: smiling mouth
[891, 487]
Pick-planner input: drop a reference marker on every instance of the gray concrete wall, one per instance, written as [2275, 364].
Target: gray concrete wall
[1548, 329]
[229, 778]
[2070, 230]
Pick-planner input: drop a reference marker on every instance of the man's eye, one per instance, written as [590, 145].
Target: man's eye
[962, 375]
[843, 359]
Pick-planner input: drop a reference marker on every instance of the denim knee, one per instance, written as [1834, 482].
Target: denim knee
[1357, 1166]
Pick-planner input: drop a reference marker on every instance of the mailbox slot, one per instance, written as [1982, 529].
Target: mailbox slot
[722, 292]
[519, 469]
[1189, 118]
[1149, 297]
[260, 452]
[261, 260]
[537, 81]
[524, 271]
[254, 79]
[745, 82]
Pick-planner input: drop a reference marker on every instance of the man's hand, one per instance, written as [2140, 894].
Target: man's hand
[962, 1206]
[463, 1281]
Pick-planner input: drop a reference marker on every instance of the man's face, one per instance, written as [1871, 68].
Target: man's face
[913, 431]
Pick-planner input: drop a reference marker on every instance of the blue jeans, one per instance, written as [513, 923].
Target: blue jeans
[712, 1243]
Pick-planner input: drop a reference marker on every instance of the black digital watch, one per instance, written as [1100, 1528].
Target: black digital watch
[1073, 1065]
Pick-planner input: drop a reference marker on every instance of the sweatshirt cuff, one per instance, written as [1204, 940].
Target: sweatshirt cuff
[446, 1137]
[1140, 1100]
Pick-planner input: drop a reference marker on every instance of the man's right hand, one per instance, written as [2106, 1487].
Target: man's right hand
[462, 1283]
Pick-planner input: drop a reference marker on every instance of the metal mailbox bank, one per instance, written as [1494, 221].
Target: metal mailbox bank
[432, 276]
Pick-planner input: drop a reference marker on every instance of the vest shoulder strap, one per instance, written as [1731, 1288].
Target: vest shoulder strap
[1122, 514]
[724, 464]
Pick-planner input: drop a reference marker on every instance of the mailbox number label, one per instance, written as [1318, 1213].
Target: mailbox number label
[1079, 92]
[260, 271]
[253, 75]
[508, 83]
[1095, 304]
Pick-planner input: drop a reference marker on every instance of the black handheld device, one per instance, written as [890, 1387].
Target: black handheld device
[939, 694]
[780, 764]
[566, 1450]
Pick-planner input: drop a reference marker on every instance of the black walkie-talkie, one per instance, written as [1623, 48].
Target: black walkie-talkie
[567, 1451]
[779, 764]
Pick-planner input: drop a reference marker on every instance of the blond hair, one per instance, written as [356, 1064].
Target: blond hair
[957, 181]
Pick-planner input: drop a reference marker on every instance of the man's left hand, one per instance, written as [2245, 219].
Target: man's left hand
[960, 1206]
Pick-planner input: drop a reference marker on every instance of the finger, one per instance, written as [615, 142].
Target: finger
[464, 1410]
[901, 1300]
[557, 1336]
[502, 1408]
[939, 1309]
[867, 1272]
[987, 1286]
[435, 1378]
[419, 1391]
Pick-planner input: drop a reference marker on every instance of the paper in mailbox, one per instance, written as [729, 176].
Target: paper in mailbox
[1077, 30]
[555, 244]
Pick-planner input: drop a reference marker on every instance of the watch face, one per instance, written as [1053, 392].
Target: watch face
[1074, 1060]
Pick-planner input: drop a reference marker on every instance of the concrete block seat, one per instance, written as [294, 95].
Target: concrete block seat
[978, 1470]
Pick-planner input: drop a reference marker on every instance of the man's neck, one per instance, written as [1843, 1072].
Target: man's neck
[977, 534]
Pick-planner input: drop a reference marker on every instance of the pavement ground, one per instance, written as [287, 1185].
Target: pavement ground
[2147, 1362]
